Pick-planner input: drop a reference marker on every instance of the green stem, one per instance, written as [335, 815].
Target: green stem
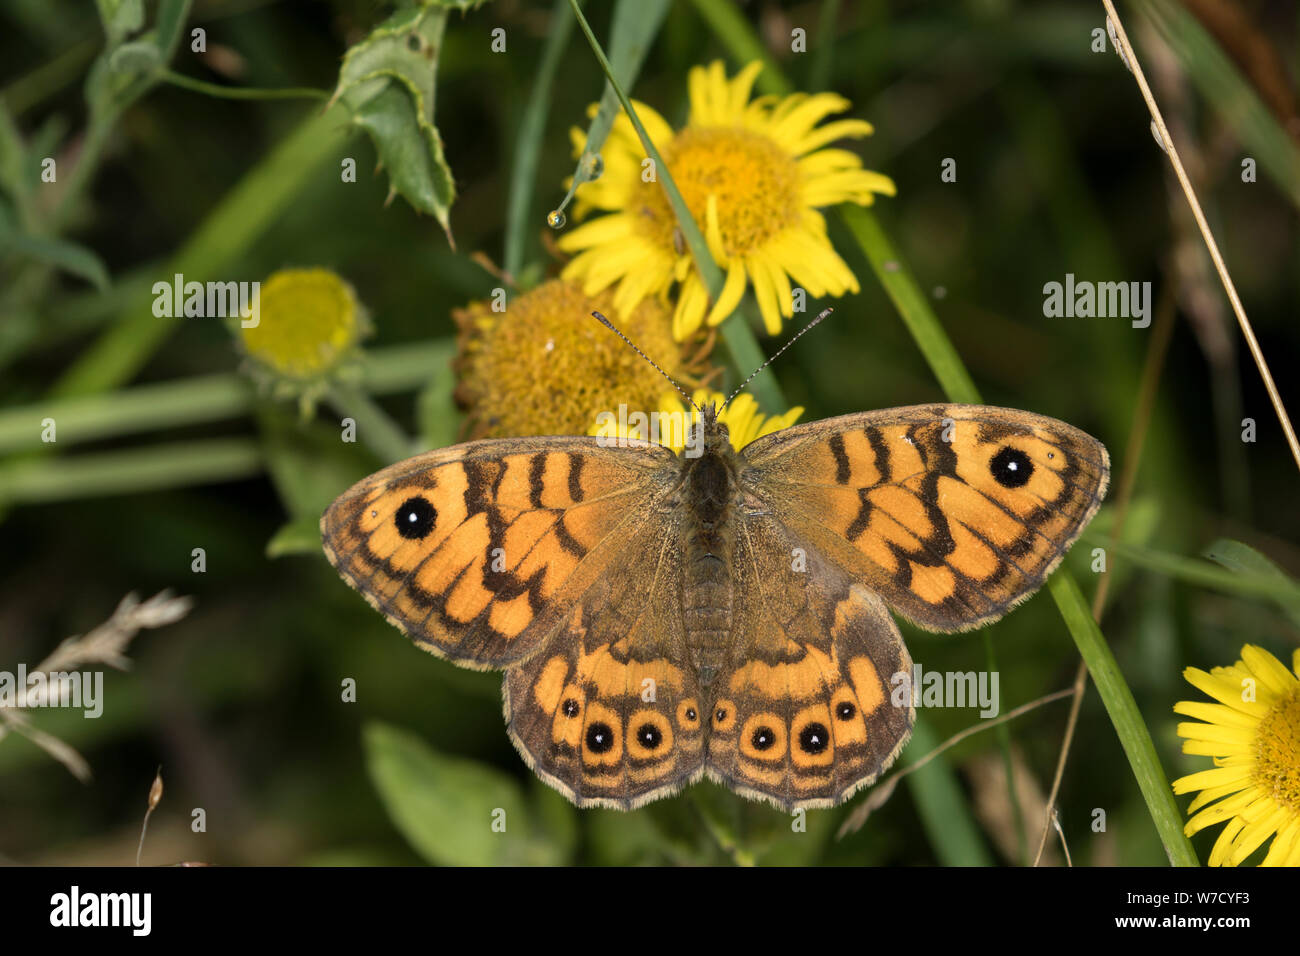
[240, 92]
[197, 400]
[374, 426]
[1115, 694]
[174, 465]
[523, 176]
[243, 214]
[739, 337]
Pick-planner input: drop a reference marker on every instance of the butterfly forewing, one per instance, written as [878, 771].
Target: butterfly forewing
[951, 513]
[479, 551]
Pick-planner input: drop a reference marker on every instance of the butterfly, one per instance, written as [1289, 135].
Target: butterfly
[663, 617]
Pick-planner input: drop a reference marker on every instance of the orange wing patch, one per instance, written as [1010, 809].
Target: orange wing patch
[479, 551]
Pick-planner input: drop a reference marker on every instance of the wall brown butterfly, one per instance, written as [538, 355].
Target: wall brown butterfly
[661, 618]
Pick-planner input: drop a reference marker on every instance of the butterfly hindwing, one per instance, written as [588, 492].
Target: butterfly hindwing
[479, 551]
[609, 712]
[805, 716]
[951, 513]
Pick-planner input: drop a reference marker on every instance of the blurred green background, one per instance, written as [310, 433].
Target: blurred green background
[240, 702]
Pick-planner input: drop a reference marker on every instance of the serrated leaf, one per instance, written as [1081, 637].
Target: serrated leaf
[445, 806]
[387, 82]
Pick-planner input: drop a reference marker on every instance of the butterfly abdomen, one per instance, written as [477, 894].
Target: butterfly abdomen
[707, 580]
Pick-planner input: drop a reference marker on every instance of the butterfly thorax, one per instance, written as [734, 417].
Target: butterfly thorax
[708, 494]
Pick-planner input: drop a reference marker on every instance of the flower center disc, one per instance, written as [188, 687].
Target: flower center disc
[1277, 752]
[755, 182]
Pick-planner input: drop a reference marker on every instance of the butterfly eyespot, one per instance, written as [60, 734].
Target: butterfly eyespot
[690, 713]
[763, 738]
[720, 714]
[845, 711]
[415, 518]
[570, 707]
[374, 513]
[814, 738]
[1011, 468]
[600, 738]
[649, 736]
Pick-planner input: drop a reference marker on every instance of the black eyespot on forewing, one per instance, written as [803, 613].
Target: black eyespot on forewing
[415, 518]
[600, 738]
[570, 707]
[814, 738]
[1011, 467]
[845, 711]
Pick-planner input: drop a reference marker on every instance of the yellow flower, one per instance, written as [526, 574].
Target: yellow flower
[544, 366]
[672, 424]
[753, 174]
[309, 320]
[1253, 734]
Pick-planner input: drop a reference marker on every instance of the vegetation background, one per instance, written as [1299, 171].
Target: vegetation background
[239, 702]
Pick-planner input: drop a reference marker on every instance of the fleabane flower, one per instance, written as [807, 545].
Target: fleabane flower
[753, 173]
[545, 366]
[1253, 734]
[308, 331]
[669, 424]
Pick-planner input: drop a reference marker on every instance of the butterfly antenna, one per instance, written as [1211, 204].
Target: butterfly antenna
[810, 325]
[610, 325]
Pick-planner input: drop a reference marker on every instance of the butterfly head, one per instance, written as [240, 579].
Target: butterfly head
[707, 435]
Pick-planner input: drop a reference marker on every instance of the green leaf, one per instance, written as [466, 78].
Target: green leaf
[435, 410]
[309, 465]
[945, 812]
[387, 83]
[172, 15]
[121, 18]
[1230, 95]
[532, 129]
[1245, 560]
[135, 59]
[446, 806]
[299, 536]
[71, 257]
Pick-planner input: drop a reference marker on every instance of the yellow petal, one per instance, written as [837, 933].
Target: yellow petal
[1215, 714]
[1223, 692]
[742, 86]
[732, 291]
[1282, 844]
[1269, 669]
[1217, 777]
